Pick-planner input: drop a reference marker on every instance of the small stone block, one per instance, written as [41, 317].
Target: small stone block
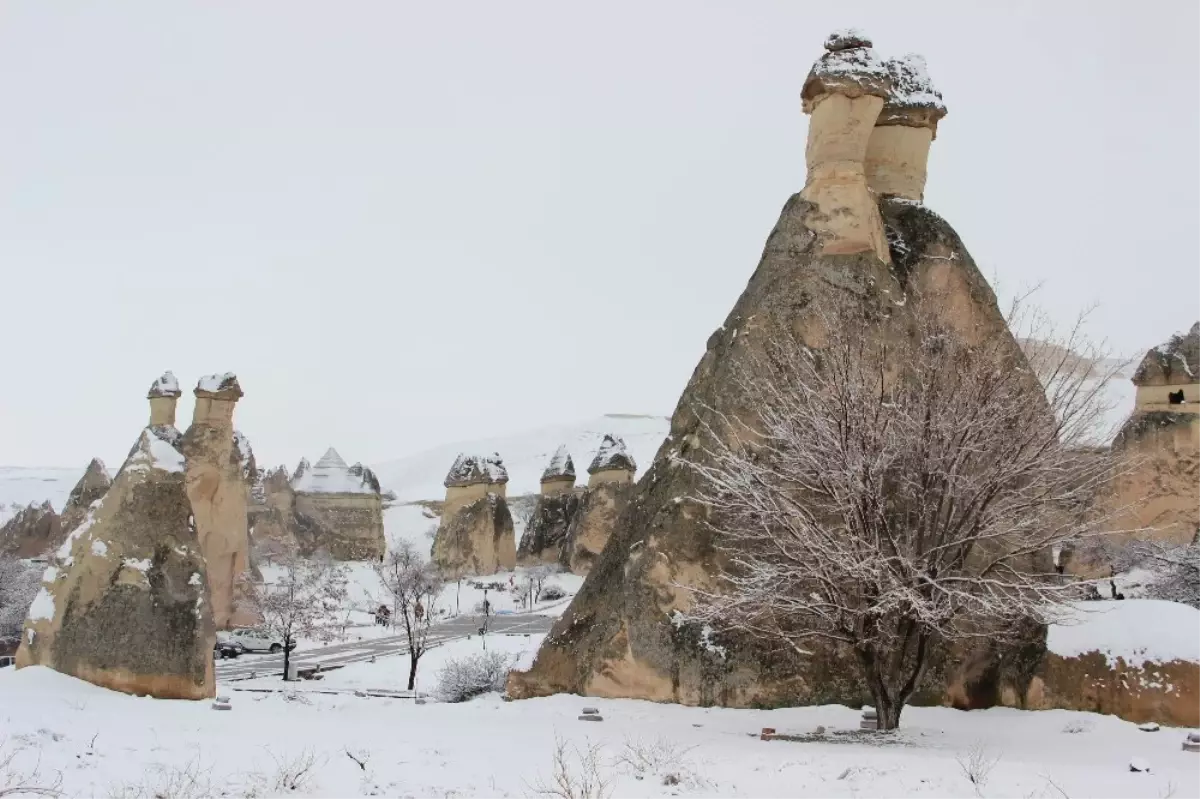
[1149, 726]
[868, 724]
[767, 733]
[591, 710]
[222, 699]
[1194, 737]
[591, 717]
[360, 693]
[222, 706]
[1191, 746]
[419, 701]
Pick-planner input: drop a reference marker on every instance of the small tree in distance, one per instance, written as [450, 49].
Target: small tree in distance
[415, 587]
[892, 493]
[303, 601]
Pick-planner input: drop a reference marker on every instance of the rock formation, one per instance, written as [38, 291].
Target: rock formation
[610, 485]
[1163, 436]
[91, 487]
[124, 603]
[476, 533]
[216, 486]
[337, 508]
[837, 248]
[33, 531]
[272, 526]
[550, 521]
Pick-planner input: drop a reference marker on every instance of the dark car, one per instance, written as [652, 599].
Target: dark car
[227, 649]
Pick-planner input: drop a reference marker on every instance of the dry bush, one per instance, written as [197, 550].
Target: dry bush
[18, 777]
[577, 773]
[466, 678]
[293, 773]
[977, 764]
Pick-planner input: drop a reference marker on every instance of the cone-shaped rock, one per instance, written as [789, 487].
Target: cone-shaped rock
[552, 514]
[476, 532]
[91, 487]
[218, 490]
[822, 258]
[124, 603]
[32, 531]
[339, 509]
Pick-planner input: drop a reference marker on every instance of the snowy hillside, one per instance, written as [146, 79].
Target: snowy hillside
[525, 454]
[20, 486]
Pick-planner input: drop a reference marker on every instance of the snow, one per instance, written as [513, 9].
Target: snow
[214, 383]
[612, 455]
[561, 464]
[105, 743]
[140, 564]
[20, 486]
[1135, 630]
[911, 84]
[165, 386]
[473, 469]
[330, 475]
[152, 452]
[419, 476]
[99, 548]
[43, 607]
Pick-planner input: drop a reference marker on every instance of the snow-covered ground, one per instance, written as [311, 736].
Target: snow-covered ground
[1135, 630]
[102, 743]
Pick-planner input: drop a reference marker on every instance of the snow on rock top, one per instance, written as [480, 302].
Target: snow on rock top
[560, 465]
[215, 384]
[849, 66]
[331, 475]
[165, 386]
[612, 455]
[153, 451]
[474, 469]
[1175, 362]
[912, 90]
[1135, 630]
[302, 469]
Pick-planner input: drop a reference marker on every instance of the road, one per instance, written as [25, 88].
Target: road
[252, 665]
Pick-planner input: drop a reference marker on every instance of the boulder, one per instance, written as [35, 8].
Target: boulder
[218, 490]
[124, 603]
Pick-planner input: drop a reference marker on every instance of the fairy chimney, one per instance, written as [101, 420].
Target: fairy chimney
[476, 534]
[163, 395]
[341, 508]
[559, 476]
[898, 149]
[124, 603]
[844, 93]
[612, 464]
[217, 489]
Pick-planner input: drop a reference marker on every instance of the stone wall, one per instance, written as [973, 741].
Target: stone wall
[350, 525]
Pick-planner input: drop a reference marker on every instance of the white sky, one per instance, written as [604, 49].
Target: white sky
[404, 224]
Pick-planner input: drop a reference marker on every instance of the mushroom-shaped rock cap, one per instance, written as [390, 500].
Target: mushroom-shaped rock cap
[222, 386]
[612, 455]
[474, 469]
[561, 466]
[1177, 362]
[914, 101]
[849, 66]
[164, 386]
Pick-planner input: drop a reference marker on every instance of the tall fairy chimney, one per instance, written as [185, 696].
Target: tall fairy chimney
[898, 150]
[559, 476]
[216, 395]
[164, 393]
[612, 464]
[844, 93]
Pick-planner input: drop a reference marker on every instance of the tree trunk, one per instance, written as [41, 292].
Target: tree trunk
[287, 654]
[412, 671]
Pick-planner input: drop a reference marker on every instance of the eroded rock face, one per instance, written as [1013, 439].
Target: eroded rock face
[91, 487]
[33, 531]
[124, 604]
[476, 533]
[546, 535]
[217, 489]
[593, 523]
[618, 638]
[272, 528]
[338, 509]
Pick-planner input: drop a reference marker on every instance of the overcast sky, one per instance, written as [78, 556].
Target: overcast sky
[403, 224]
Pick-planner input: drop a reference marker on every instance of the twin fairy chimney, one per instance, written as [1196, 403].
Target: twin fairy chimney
[856, 244]
[872, 123]
[476, 532]
[154, 556]
[571, 528]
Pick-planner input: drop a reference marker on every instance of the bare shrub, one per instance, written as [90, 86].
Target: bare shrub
[162, 781]
[662, 758]
[22, 775]
[552, 591]
[466, 678]
[294, 773]
[1077, 726]
[414, 587]
[576, 773]
[977, 764]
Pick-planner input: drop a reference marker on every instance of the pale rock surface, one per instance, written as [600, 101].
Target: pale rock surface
[476, 534]
[897, 156]
[31, 532]
[218, 490]
[124, 603]
[91, 487]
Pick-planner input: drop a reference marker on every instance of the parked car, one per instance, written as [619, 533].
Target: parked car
[254, 640]
[227, 649]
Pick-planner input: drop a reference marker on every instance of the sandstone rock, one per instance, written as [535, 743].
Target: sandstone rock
[124, 603]
[824, 257]
[593, 523]
[33, 531]
[91, 487]
[897, 155]
[218, 491]
[338, 509]
[550, 520]
[272, 527]
[476, 535]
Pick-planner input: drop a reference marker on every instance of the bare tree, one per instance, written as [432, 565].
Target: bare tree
[535, 578]
[1176, 568]
[19, 584]
[301, 602]
[893, 492]
[414, 586]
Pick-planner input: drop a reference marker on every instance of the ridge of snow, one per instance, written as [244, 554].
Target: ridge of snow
[1135, 630]
[215, 383]
[167, 385]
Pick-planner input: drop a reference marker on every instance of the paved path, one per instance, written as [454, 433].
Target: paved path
[252, 665]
